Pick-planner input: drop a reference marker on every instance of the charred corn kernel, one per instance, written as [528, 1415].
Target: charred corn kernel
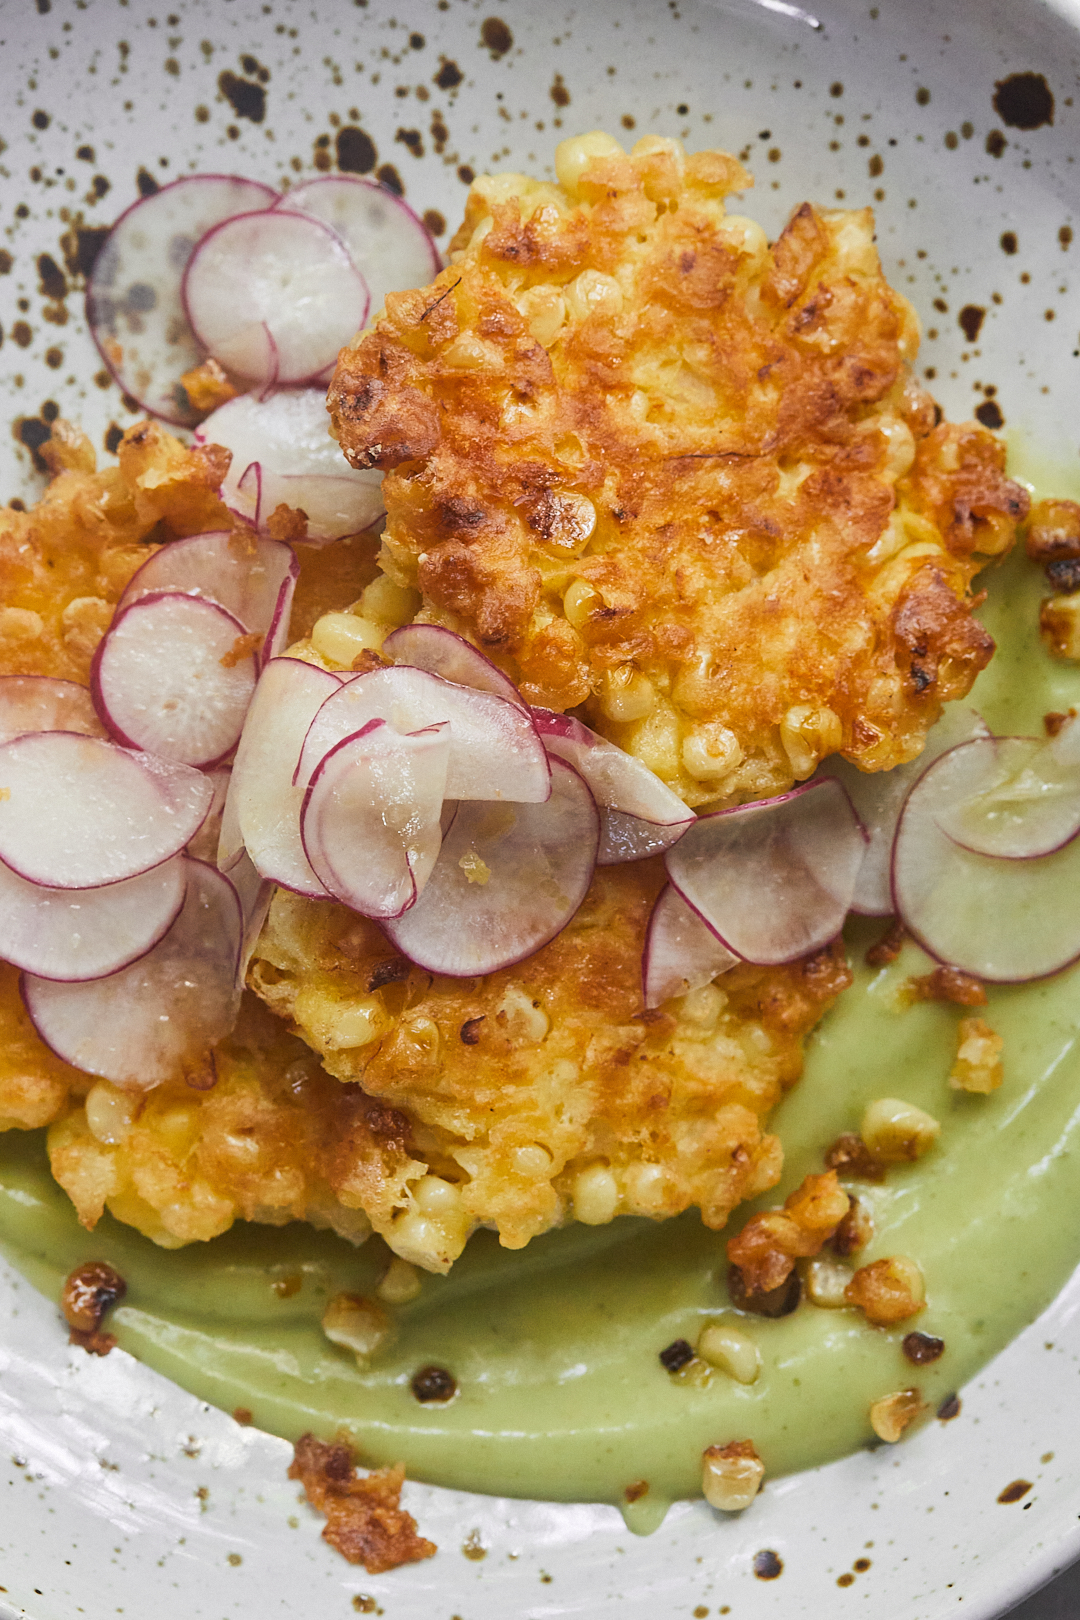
[595, 1194]
[339, 1025]
[710, 751]
[1059, 621]
[399, 1283]
[977, 1066]
[544, 309]
[579, 600]
[896, 1130]
[388, 603]
[892, 1414]
[626, 694]
[341, 637]
[807, 734]
[573, 157]
[887, 1291]
[826, 1283]
[593, 293]
[726, 1346]
[110, 1112]
[532, 1160]
[731, 1475]
[521, 1017]
[357, 1324]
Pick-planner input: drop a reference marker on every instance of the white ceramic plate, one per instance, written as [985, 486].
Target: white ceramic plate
[119, 1490]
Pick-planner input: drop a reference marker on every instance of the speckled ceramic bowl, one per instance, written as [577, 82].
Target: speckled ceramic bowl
[122, 1494]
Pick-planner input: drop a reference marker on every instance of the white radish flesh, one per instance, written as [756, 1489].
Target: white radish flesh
[443, 652]
[39, 703]
[878, 797]
[174, 676]
[1002, 920]
[254, 894]
[773, 878]
[681, 951]
[387, 242]
[495, 752]
[264, 803]
[273, 296]
[509, 877]
[133, 301]
[243, 573]
[1022, 802]
[370, 821]
[628, 838]
[76, 934]
[283, 454]
[204, 845]
[78, 813]
[155, 1020]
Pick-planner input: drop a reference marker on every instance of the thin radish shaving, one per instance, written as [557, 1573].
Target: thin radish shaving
[775, 878]
[39, 703]
[273, 296]
[242, 572]
[388, 244]
[443, 652]
[255, 894]
[283, 455]
[133, 303]
[681, 951]
[76, 934]
[1022, 802]
[204, 845]
[370, 821]
[174, 675]
[155, 1020]
[509, 877]
[1004, 920]
[80, 813]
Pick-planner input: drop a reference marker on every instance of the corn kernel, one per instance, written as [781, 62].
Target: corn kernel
[731, 1475]
[579, 600]
[977, 1066]
[626, 694]
[357, 1324]
[399, 1283]
[710, 752]
[544, 309]
[896, 1130]
[596, 1195]
[648, 1189]
[437, 1197]
[20, 624]
[744, 236]
[532, 1160]
[593, 293]
[702, 1008]
[521, 1019]
[341, 637]
[573, 157]
[826, 1283]
[338, 1025]
[388, 603]
[807, 734]
[110, 1112]
[892, 1414]
[426, 1241]
[726, 1346]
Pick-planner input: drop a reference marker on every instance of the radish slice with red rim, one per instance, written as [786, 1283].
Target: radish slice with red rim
[388, 244]
[255, 894]
[277, 637]
[1005, 921]
[878, 797]
[243, 573]
[263, 806]
[283, 454]
[1022, 802]
[273, 296]
[174, 676]
[443, 652]
[509, 877]
[640, 815]
[133, 303]
[370, 821]
[204, 845]
[155, 1020]
[40, 703]
[76, 934]
[80, 813]
[681, 951]
[774, 878]
[495, 752]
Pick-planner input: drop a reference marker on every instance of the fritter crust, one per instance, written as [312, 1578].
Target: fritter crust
[682, 478]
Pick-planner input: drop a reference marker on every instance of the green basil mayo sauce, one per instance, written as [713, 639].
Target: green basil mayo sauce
[561, 1394]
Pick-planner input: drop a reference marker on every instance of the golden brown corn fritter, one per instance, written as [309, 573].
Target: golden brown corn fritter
[655, 466]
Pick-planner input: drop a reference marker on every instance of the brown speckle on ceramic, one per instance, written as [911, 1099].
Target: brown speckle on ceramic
[768, 1564]
[1015, 1492]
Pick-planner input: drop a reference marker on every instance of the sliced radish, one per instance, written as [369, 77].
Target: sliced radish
[509, 877]
[277, 637]
[370, 821]
[495, 752]
[152, 1021]
[254, 894]
[878, 797]
[174, 676]
[263, 805]
[243, 573]
[773, 878]
[681, 951]
[133, 303]
[1001, 920]
[283, 453]
[443, 652]
[640, 815]
[79, 813]
[39, 703]
[76, 934]
[273, 296]
[204, 845]
[1023, 802]
[387, 242]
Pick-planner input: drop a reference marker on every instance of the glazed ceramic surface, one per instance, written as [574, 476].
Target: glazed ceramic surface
[119, 1489]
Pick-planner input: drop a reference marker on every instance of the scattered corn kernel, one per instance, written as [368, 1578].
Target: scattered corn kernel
[1059, 621]
[723, 1345]
[888, 1291]
[826, 1283]
[895, 1130]
[388, 603]
[978, 1065]
[596, 1195]
[731, 1475]
[340, 637]
[399, 1283]
[110, 1112]
[892, 1414]
[357, 1324]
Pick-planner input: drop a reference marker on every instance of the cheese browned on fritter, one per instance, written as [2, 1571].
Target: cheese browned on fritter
[662, 470]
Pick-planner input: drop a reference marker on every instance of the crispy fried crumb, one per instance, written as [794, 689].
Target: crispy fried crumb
[207, 387]
[892, 1414]
[977, 1066]
[91, 1290]
[887, 1291]
[365, 1521]
[766, 1249]
[850, 1156]
[888, 947]
[946, 984]
[1053, 532]
[855, 1230]
[287, 523]
[1053, 722]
